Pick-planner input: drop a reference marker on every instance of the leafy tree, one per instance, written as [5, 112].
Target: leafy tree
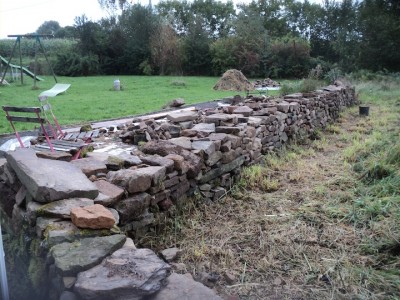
[49, 27]
[380, 39]
[215, 16]
[166, 50]
[251, 41]
[223, 52]
[138, 24]
[290, 57]
[196, 48]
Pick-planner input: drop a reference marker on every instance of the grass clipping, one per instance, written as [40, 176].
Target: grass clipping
[233, 80]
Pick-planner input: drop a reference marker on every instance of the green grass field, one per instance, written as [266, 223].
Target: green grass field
[93, 98]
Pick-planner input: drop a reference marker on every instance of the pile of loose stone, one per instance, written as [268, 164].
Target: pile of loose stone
[81, 210]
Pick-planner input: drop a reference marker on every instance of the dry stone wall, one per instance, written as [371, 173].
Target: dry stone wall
[88, 206]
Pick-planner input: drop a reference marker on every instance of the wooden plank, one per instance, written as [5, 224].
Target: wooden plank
[25, 119]
[68, 136]
[68, 143]
[74, 135]
[67, 149]
[95, 133]
[21, 109]
[88, 135]
[81, 135]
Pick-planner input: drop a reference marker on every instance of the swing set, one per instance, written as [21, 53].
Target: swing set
[23, 70]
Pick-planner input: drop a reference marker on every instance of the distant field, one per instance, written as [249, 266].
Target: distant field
[93, 98]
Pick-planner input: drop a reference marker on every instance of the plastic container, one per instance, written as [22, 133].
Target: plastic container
[364, 110]
[117, 85]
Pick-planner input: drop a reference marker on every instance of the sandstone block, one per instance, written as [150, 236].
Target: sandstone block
[94, 216]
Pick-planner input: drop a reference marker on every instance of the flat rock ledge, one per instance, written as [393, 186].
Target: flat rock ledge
[127, 274]
[72, 258]
[44, 179]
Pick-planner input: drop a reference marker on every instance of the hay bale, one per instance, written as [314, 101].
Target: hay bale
[233, 80]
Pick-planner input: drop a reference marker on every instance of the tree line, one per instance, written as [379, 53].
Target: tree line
[265, 38]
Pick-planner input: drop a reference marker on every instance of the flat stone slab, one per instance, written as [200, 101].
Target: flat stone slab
[109, 193]
[204, 127]
[133, 207]
[72, 258]
[62, 208]
[207, 146]
[216, 118]
[182, 116]
[64, 231]
[138, 180]
[90, 166]
[244, 110]
[156, 160]
[183, 287]
[49, 180]
[182, 141]
[128, 273]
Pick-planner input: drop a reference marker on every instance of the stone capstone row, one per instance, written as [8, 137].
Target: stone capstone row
[80, 211]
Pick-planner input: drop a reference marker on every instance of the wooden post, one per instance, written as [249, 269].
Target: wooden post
[20, 62]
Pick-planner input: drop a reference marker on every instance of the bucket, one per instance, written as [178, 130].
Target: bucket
[364, 110]
[117, 85]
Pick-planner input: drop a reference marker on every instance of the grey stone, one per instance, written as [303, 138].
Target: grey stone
[3, 162]
[207, 146]
[214, 173]
[138, 180]
[184, 287]
[214, 158]
[42, 223]
[177, 102]
[90, 166]
[217, 118]
[72, 258]
[145, 220]
[204, 127]
[132, 207]
[109, 193]
[127, 274]
[223, 137]
[20, 196]
[45, 179]
[57, 155]
[62, 208]
[115, 214]
[182, 116]
[244, 110]
[163, 148]
[65, 231]
[183, 142]
[170, 254]
[156, 160]
[218, 193]
[67, 295]
[228, 130]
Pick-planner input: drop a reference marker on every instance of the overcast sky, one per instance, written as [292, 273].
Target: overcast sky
[25, 16]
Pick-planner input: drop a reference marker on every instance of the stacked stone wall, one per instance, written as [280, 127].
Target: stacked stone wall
[62, 205]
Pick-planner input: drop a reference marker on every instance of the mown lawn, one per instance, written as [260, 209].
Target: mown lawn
[93, 98]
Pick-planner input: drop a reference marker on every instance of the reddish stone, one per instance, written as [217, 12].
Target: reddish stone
[94, 216]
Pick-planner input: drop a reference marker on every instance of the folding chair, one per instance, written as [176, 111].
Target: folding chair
[46, 108]
[35, 117]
